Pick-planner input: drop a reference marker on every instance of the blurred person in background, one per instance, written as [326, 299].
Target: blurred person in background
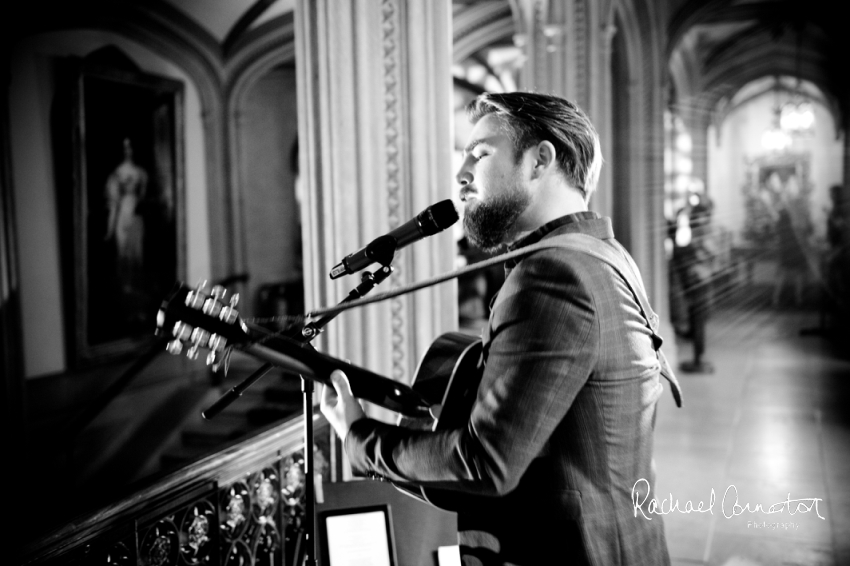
[694, 262]
[793, 230]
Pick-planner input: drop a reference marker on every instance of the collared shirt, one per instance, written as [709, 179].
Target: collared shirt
[601, 228]
[537, 235]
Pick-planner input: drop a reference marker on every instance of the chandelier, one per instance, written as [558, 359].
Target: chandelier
[776, 137]
[797, 116]
[794, 118]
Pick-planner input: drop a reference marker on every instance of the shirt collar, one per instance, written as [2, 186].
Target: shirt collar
[585, 222]
[537, 235]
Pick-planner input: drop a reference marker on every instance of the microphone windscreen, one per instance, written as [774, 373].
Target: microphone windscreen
[443, 214]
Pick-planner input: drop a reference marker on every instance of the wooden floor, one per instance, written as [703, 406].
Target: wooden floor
[770, 425]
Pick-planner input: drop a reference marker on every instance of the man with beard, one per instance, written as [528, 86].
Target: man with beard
[555, 463]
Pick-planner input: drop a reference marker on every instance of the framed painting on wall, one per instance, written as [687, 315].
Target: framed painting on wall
[128, 209]
[773, 180]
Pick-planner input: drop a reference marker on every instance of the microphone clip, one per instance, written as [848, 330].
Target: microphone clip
[381, 250]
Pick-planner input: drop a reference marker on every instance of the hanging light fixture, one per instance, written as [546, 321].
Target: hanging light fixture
[798, 114]
[797, 117]
[776, 138]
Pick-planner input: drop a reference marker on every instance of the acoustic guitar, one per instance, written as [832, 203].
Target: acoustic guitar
[440, 397]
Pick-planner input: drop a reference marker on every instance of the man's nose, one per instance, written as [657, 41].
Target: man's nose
[463, 177]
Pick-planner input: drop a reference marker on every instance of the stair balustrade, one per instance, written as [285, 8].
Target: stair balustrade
[241, 505]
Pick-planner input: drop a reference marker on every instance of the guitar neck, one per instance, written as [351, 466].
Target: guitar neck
[367, 385]
[204, 322]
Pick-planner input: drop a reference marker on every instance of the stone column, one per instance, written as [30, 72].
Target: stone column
[555, 36]
[567, 45]
[374, 101]
[599, 108]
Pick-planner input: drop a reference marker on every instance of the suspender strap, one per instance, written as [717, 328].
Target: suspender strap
[612, 253]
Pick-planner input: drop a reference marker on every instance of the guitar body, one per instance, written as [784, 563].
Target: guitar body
[448, 376]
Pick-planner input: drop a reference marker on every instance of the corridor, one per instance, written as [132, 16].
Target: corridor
[770, 427]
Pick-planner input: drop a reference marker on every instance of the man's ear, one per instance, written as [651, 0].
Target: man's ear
[544, 157]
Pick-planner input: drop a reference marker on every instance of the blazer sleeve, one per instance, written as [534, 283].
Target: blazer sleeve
[544, 338]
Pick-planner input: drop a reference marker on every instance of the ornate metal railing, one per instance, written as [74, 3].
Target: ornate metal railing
[241, 506]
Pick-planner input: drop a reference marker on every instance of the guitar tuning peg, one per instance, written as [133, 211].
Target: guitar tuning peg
[212, 307]
[192, 353]
[182, 331]
[218, 292]
[200, 337]
[211, 360]
[234, 300]
[174, 347]
[229, 314]
[195, 299]
[217, 343]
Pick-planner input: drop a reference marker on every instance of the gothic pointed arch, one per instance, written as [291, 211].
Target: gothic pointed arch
[262, 57]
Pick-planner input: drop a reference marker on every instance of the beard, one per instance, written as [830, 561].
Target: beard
[488, 223]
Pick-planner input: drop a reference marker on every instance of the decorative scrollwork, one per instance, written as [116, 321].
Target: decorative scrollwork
[161, 544]
[196, 533]
[293, 483]
[293, 500]
[117, 554]
[293, 490]
[234, 509]
[265, 487]
[239, 555]
[267, 547]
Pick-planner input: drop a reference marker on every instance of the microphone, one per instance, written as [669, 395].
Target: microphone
[433, 219]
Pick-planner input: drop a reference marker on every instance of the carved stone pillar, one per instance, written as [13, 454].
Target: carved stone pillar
[374, 101]
[567, 45]
[600, 110]
[564, 42]
[555, 35]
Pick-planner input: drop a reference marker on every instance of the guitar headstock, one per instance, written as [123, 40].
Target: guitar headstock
[201, 321]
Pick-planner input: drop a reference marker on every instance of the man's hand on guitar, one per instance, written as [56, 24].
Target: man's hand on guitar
[339, 406]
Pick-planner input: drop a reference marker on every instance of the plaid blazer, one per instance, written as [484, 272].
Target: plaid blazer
[561, 429]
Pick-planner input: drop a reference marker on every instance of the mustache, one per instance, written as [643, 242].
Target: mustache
[466, 191]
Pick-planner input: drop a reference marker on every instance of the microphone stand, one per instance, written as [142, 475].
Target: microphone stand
[368, 281]
[308, 332]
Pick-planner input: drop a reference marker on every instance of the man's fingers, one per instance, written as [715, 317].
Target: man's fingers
[328, 395]
[341, 383]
